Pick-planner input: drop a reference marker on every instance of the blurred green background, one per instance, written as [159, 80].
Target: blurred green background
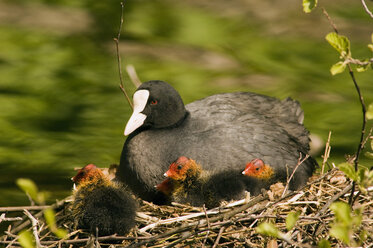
[60, 105]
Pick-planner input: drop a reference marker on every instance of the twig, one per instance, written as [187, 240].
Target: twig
[116, 40]
[327, 152]
[3, 218]
[35, 223]
[208, 226]
[333, 199]
[292, 174]
[218, 237]
[361, 145]
[56, 205]
[363, 108]
[21, 208]
[325, 159]
[200, 223]
[131, 71]
[330, 20]
[367, 9]
[177, 219]
[84, 240]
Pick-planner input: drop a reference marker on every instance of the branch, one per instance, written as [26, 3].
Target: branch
[366, 9]
[361, 144]
[363, 108]
[219, 236]
[21, 208]
[116, 40]
[292, 174]
[3, 218]
[131, 71]
[35, 223]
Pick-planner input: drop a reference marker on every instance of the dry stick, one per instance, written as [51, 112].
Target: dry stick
[208, 226]
[329, 202]
[219, 236]
[327, 152]
[333, 199]
[325, 159]
[116, 40]
[131, 71]
[363, 108]
[22, 208]
[3, 218]
[84, 240]
[367, 9]
[292, 174]
[56, 205]
[35, 223]
[195, 224]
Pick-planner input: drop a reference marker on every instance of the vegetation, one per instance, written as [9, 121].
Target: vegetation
[60, 102]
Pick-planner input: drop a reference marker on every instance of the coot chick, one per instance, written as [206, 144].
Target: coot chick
[188, 183]
[269, 175]
[222, 132]
[101, 204]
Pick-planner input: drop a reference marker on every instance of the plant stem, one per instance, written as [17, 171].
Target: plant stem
[361, 143]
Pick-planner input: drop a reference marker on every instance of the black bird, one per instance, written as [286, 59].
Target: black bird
[101, 205]
[187, 182]
[221, 132]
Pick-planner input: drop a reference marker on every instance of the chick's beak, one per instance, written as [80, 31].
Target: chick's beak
[167, 174]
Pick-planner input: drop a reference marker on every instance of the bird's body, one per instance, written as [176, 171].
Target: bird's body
[222, 132]
[188, 183]
[101, 206]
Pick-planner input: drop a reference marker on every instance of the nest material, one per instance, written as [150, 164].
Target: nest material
[231, 225]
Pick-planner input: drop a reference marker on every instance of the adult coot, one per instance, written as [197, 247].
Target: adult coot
[221, 132]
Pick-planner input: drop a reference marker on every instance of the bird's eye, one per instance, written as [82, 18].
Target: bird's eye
[154, 102]
[179, 167]
[257, 168]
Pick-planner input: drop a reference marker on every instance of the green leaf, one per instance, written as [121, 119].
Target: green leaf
[340, 232]
[50, 218]
[291, 219]
[338, 68]
[362, 68]
[342, 212]
[29, 187]
[369, 114]
[349, 170]
[309, 5]
[26, 240]
[368, 155]
[61, 233]
[268, 229]
[361, 174]
[370, 46]
[340, 43]
[324, 244]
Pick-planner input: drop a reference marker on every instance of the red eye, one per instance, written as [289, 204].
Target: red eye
[154, 102]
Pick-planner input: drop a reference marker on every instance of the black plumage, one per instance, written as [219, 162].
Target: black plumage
[222, 132]
[188, 183]
[101, 206]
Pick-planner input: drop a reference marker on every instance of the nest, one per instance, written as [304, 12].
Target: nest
[231, 225]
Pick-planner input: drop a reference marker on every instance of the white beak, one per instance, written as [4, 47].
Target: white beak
[140, 98]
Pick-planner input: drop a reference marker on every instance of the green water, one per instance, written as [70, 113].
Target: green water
[60, 106]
